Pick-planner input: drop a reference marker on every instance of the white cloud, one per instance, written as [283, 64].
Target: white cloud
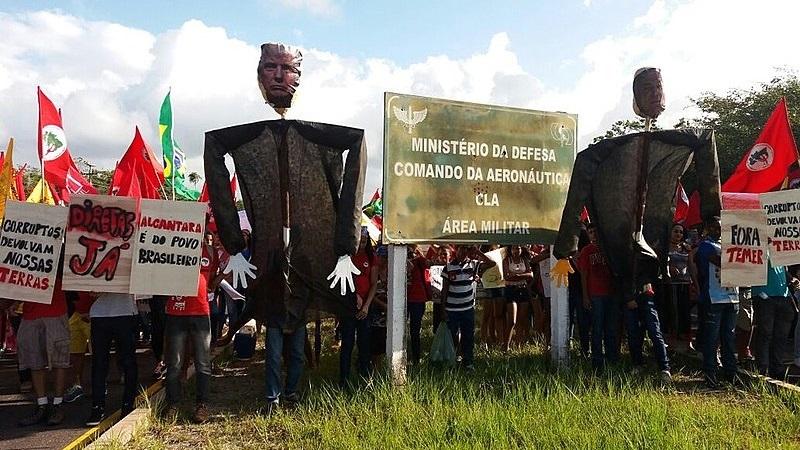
[108, 77]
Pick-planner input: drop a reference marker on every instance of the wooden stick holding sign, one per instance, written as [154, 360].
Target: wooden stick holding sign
[99, 249]
[169, 246]
[30, 246]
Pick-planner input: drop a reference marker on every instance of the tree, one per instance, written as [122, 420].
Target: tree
[623, 127]
[738, 116]
[193, 178]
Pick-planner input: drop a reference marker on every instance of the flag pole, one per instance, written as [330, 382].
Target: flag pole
[172, 143]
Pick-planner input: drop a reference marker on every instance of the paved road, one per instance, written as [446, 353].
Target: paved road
[14, 405]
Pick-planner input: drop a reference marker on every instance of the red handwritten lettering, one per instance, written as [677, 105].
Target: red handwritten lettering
[111, 221]
[93, 246]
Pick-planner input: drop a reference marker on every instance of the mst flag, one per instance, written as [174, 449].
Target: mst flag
[767, 163]
[59, 168]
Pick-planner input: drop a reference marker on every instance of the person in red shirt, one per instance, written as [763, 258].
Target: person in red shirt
[42, 342]
[366, 284]
[419, 292]
[597, 284]
[188, 317]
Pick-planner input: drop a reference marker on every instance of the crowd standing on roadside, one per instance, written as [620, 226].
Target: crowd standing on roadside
[687, 310]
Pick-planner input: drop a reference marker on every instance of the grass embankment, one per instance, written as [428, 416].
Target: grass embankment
[509, 401]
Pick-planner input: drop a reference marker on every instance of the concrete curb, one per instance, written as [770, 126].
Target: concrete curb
[120, 432]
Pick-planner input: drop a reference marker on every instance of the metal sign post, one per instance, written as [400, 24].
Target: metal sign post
[559, 320]
[396, 314]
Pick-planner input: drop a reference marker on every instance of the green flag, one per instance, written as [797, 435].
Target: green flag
[174, 170]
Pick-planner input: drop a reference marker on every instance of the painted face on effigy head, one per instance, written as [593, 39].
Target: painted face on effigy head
[279, 74]
[648, 93]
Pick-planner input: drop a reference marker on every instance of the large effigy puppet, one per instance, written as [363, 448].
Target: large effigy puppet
[628, 185]
[302, 199]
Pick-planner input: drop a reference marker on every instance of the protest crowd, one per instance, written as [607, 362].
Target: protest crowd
[756, 327]
[93, 309]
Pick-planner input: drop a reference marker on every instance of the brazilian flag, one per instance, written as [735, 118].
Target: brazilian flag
[174, 170]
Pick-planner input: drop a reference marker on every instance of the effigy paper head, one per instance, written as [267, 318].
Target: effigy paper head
[279, 74]
[648, 93]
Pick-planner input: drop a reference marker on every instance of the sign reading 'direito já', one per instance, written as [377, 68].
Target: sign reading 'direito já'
[465, 172]
[98, 249]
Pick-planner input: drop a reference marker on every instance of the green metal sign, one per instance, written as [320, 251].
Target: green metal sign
[471, 173]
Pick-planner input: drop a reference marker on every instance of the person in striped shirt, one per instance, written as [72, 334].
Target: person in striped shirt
[458, 289]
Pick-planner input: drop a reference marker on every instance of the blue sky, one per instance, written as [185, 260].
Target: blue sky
[108, 64]
[547, 36]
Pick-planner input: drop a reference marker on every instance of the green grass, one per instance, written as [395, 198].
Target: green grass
[509, 401]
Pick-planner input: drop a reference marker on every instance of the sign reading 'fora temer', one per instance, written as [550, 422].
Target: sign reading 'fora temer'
[464, 172]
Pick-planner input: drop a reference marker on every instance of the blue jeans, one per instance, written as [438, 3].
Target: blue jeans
[198, 329]
[463, 321]
[645, 317]
[719, 327]
[415, 313]
[294, 366]
[605, 321]
[354, 332]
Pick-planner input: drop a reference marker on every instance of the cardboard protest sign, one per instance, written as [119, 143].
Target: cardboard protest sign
[99, 249]
[782, 211]
[744, 248]
[493, 277]
[30, 246]
[169, 244]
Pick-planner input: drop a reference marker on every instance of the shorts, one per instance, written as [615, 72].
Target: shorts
[517, 294]
[377, 337]
[494, 293]
[43, 343]
[79, 333]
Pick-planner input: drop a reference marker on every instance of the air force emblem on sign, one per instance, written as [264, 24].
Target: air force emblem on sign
[54, 142]
[410, 117]
[563, 135]
[760, 157]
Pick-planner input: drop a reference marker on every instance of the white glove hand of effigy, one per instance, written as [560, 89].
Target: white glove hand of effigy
[241, 269]
[343, 273]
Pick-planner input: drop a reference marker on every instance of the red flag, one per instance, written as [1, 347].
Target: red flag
[204, 191]
[129, 186]
[59, 168]
[766, 164]
[138, 165]
[19, 181]
[681, 205]
[585, 215]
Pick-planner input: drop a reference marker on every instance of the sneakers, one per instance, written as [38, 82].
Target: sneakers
[39, 415]
[665, 377]
[56, 415]
[73, 393]
[200, 414]
[95, 417]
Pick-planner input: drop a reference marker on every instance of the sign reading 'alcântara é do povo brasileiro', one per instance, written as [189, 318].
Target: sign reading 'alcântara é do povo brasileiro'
[471, 173]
